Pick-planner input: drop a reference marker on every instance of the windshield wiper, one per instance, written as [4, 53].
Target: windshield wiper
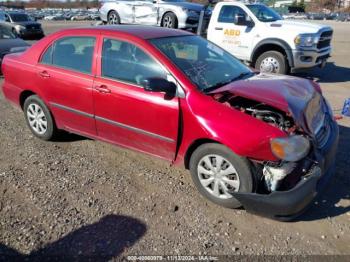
[223, 83]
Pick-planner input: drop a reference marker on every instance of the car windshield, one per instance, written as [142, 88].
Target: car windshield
[5, 33]
[207, 65]
[20, 17]
[264, 13]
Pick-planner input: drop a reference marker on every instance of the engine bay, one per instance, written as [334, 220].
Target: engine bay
[272, 176]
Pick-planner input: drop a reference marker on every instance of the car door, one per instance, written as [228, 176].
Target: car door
[125, 9]
[236, 39]
[146, 12]
[65, 73]
[125, 113]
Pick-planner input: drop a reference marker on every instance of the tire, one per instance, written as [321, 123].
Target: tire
[272, 62]
[113, 18]
[34, 106]
[169, 20]
[240, 177]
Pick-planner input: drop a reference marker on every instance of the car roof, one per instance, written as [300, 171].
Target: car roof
[140, 31]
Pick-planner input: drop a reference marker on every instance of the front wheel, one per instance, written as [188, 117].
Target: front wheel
[272, 62]
[217, 172]
[113, 18]
[169, 20]
[39, 118]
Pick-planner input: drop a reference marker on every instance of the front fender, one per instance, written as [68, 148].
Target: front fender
[242, 133]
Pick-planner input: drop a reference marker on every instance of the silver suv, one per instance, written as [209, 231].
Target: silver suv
[166, 13]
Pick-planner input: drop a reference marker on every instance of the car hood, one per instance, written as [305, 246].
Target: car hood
[298, 26]
[295, 96]
[190, 6]
[7, 44]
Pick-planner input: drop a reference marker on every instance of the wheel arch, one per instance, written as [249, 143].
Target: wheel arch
[24, 95]
[167, 12]
[273, 44]
[195, 144]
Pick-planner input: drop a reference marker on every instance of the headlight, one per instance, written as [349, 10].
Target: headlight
[291, 148]
[190, 12]
[19, 27]
[306, 40]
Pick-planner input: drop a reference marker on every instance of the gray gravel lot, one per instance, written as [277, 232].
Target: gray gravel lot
[82, 197]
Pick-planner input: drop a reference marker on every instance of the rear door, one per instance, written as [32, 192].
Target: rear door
[146, 12]
[64, 74]
[125, 113]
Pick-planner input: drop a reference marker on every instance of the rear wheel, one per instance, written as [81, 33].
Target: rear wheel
[39, 118]
[272, 62]
[217, 172]
[169, 20]
[113, 18]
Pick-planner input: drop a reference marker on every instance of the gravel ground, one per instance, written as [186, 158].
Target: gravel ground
[82, 197]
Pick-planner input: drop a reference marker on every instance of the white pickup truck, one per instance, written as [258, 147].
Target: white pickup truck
[258, 35]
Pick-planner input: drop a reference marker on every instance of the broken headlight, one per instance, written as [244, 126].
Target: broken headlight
[292, 148]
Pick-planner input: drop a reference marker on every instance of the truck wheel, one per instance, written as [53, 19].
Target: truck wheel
[272, 62]
[113, 18]
[169, 20]
[216, 172]
[39, 118]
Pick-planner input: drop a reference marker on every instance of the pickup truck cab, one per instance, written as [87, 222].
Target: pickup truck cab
[258, 35]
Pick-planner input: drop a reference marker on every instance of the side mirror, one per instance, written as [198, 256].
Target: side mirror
[241, 19]
[156, 84]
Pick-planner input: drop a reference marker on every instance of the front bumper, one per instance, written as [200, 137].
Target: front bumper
[287, 205]
[310, 58]
[31, 33]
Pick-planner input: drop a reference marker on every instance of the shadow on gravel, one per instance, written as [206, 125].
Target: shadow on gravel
[338, 188]
[64, 136]
[101, 241]
[330, 74]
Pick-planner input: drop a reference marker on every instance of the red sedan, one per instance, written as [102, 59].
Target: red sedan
[266, 142]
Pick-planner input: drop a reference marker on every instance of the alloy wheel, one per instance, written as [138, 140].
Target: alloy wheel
[270, 65]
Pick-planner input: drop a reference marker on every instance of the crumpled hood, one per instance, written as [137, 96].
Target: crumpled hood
[295, 96]
[298, 26]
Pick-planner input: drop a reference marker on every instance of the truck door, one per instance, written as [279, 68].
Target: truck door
[233, 31]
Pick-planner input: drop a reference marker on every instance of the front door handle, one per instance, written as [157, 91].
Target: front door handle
[103, 89]
[44, 74]
[218, 28]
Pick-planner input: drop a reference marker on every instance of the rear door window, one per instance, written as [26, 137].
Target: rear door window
[75, 53]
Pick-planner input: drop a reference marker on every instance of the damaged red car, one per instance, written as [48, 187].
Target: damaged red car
[264, 142]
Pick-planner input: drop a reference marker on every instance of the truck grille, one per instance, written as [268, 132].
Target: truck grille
[323, 133]
[325, 39]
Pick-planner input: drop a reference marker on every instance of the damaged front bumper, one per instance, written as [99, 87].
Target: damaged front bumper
[287, 205]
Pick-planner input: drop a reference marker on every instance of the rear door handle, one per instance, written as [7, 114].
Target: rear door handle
[44, 74]
[218, 28]
[103, 89]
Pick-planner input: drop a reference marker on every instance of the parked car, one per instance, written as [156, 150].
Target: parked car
[9, 42]
[343, 17]
[23, 26]
[263, 141]
[316, 16]
[166, 13]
